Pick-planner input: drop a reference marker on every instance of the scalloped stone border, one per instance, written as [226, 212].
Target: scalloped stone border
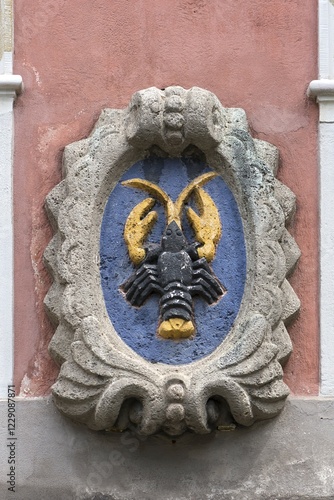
[102, 382]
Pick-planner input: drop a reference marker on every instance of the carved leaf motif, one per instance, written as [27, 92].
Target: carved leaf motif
[256, 329]
[109, 358]
[259, 359]
[80, 376]
[252, 364]
[260, 377]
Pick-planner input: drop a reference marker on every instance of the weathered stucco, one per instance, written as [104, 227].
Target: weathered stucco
[79, 57]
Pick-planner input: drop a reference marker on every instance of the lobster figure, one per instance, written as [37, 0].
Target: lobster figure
[175, 270]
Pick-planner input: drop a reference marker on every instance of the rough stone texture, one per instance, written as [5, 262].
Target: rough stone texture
[104, 383]
[288, 458]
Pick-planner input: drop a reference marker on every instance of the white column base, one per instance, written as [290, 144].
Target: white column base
[10, 86]
[323, 91]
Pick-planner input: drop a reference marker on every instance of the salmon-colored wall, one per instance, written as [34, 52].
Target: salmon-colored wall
[77, 57]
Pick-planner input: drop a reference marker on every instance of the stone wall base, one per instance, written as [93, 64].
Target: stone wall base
[290, 457]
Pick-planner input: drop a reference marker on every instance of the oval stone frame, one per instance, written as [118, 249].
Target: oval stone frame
[102, 382]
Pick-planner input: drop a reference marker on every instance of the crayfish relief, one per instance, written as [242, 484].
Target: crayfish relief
[176, 270]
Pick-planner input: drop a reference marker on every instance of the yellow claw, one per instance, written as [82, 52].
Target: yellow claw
[206, 225]
[155, 190]
[187, 191]
[137, 227]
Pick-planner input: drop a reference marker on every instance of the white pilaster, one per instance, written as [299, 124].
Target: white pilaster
[323, 91]
[10, 86]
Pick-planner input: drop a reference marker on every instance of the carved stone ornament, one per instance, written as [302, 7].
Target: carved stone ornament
[173, 318]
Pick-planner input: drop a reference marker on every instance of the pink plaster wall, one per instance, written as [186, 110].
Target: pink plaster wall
[80, 56]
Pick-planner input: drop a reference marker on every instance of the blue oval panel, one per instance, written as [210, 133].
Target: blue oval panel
[138, 326]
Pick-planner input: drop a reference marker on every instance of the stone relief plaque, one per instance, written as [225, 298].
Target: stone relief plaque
[170, 258]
